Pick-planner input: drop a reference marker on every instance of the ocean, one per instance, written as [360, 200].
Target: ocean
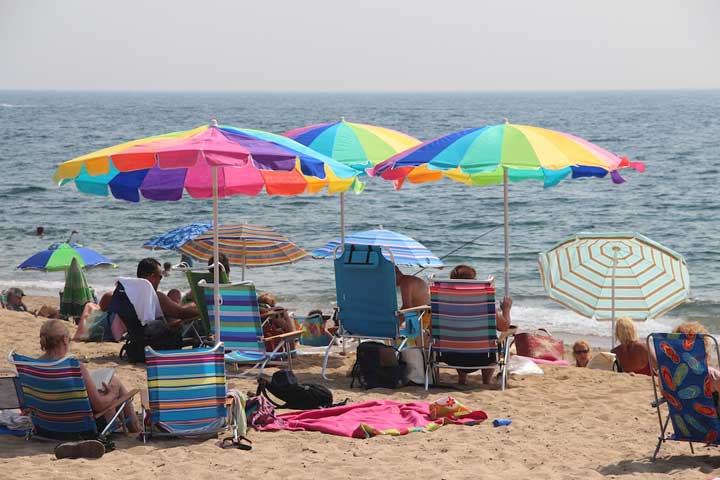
[675, 202]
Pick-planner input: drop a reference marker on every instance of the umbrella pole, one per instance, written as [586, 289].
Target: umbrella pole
[612, 298]
[342, 218]
[506, 215]
[216, 256]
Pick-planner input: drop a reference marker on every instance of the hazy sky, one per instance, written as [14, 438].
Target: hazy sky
[367, 45]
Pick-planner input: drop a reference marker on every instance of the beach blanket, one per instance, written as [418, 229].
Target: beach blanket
[378, 417]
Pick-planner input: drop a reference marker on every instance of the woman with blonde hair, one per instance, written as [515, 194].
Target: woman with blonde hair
[55, 342]
[631, 354]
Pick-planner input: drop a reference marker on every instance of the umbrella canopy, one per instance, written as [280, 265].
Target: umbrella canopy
[207, 162]
[247, 246]
[609, 275]
[405, 250]
[499, 154]
[176, 238]
[356, 145]
[76, 292]
[59, 256]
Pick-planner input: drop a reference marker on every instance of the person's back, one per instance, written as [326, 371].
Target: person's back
[632, 357]
[413, 290]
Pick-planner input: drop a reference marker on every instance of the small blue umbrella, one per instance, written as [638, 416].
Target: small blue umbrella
[58, 257]
[405, 250]
[174, 239]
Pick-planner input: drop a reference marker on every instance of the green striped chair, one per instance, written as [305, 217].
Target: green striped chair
[187, 394]
[241, 328]
[55, 396]
[203, 326]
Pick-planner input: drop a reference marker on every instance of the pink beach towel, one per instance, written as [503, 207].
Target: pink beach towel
[368, 419]
[542, 361]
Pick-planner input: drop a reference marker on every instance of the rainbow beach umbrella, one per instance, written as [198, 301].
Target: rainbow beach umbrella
[498, 154]
[609, 275]
[246, 245]
[357, 145]
[59, 256]
[210, 161]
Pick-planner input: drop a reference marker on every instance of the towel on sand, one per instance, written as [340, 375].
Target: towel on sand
[368, 419]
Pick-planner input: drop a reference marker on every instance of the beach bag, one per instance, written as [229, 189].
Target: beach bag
[259, 411]
[414, 360]
[377, 366]
[539, 345]
[297, 396]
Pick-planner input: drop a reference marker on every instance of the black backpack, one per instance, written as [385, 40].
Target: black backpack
[377, 366]
[297, 396]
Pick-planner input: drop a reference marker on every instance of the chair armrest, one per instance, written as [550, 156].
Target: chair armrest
[658, 402]
[289, 335]
[145, 400]
[415, 309]
[119, 401]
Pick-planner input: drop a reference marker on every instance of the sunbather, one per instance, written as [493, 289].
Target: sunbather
[581, 352]
[502, 322]
[224, 263]
[174, 313]
[689, 328]
[413, 290]
[631, 354]
[13, 300]
[175, 295]
[55, 342]
[278, 318]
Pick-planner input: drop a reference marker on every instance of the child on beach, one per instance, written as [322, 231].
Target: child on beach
[175, 295]
[581, 352]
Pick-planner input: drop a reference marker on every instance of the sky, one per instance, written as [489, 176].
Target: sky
[361, 45]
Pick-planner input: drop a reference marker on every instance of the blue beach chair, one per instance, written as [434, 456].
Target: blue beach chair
[464, 323]
[55, 396]
[202, 326]
[241, 328]
[681, 382]
[367, 306]
[187, 395]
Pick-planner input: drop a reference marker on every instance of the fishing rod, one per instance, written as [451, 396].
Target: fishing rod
[461, 247]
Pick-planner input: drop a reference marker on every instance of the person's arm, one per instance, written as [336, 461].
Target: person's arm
[173, 310]
[502, 318]
[98, 401]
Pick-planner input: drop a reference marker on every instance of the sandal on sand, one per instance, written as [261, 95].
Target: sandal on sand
[82, 449]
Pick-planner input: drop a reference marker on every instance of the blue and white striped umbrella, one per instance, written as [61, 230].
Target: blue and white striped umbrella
[405, 250]
[174, 239]
[608, 275]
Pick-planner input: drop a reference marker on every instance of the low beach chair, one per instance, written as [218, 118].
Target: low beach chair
[682, 384]
[463, 321]
[241, 328]
[367, 303]
[187, 395]
[54, 395]
[203, 325]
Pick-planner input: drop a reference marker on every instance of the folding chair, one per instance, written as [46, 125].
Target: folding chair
[10, 400]
[682, 383]
[203, 326]
[464, 322]
[187, 395]
[241, 328]
[367, 300]
[54, 395]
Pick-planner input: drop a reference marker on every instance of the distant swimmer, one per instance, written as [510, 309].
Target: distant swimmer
[40, 231]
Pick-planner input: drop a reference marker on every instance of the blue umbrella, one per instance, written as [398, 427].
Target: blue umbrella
[405, 250]
[58, 256]
[174, 239]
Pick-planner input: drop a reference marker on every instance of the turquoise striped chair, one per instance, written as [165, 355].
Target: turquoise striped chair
[187, 395]
[55, 396]
[464, 322]
[241, 328]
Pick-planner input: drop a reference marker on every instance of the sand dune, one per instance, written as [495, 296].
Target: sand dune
[568, 423]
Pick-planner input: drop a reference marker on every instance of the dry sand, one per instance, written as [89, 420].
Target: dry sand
[568, 423]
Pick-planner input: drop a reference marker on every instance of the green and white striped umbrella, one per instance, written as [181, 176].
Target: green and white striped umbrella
[610, 275]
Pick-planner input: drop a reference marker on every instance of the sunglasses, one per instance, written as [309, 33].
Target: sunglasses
[578, 352]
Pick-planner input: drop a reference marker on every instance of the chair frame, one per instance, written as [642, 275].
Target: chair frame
[504, 340]
[659, 399]
[272, 358]
[342, 334]
[118, 405]
[195, 289]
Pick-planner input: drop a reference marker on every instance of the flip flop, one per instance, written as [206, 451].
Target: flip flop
[81, 449]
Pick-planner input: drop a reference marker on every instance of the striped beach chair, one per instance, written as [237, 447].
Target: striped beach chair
[203, 326]
[463, 322]
[55, 396]
[682, 383]
[241, 328]
[187, 395]
[367, 300]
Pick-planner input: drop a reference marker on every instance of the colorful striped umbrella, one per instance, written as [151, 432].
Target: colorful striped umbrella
[210, 161]
[59, 256]
[405, 250]
[356, 145]
[246, 245]
[499, 154]
[609, 275]
[76, 292]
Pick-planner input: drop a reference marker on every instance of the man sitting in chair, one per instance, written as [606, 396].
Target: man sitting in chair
[414, 291]
[174, 313]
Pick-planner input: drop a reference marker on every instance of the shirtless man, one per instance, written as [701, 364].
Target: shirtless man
[414, 290]
[174, 313]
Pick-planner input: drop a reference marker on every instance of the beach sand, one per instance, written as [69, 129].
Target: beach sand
[568, 423]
